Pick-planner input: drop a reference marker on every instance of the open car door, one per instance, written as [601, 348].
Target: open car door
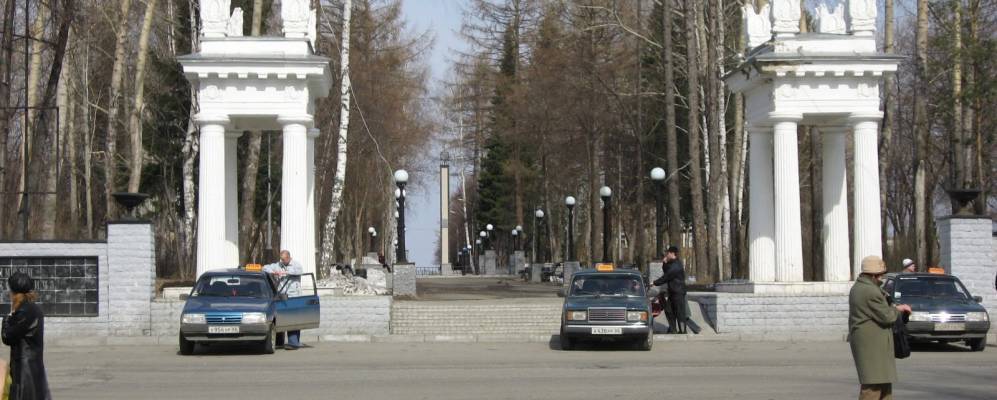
[298, 304]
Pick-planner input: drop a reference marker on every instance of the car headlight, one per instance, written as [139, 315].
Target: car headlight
[192, 319]
[636, 316]
[920, 316]
[254, 318]
[978, 316]
[577, 315]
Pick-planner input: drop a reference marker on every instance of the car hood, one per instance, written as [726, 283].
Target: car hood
[951, 306]
[631, 303]
[223, 304]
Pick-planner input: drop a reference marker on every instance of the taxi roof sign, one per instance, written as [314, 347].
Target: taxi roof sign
[254, 267]
[604, 267]
[936, 270]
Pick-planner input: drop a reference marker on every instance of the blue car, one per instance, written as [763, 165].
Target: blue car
[236, 305]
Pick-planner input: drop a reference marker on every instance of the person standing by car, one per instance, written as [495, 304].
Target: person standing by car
[290, 272]
[909, 267]
[23, 330]
[674, 278]
[870, 335]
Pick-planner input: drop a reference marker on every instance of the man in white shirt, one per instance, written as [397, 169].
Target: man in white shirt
[290, 271]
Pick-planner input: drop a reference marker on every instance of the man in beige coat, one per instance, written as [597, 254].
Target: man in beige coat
[870, 323]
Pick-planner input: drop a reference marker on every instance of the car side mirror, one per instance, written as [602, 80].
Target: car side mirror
[562, 292]
[978, 299]
[184, 296]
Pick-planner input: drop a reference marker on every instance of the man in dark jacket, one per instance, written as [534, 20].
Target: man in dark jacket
[673, 278]
[23, 331]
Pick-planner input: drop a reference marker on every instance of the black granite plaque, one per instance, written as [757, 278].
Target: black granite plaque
[66, 286]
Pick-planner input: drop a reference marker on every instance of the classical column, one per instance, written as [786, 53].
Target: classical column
[211, 244]
[294, 190]
[866, 195]
[761, 227]
[310, 239]
[231, 198]
[835, 206]
[788, 239]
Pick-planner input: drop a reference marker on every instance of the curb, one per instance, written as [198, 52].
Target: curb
[471, 338]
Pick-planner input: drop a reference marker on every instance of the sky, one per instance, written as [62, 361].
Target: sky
[443, 19]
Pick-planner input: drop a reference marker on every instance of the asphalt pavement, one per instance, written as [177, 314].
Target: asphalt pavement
[410, 371]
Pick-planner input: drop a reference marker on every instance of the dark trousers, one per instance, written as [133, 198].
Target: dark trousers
[676, 302]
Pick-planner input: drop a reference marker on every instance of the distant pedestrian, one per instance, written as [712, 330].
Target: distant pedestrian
[870, 334]
[909, 266]
[23, 330]
[290, 273]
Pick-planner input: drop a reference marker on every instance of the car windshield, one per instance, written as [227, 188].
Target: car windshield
[232, 286]
[607, 285]
[941, 287]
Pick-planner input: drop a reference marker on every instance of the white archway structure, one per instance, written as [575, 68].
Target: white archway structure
[252, 84]
[831, 80]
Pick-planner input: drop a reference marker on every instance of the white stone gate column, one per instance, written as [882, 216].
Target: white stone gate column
[232, 198]
[761, 227]
[211, 244]
[788, 239]
[310, 238]
[868, 241]
[835, 206]
[294, 190]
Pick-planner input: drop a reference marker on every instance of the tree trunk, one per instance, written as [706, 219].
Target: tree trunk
[921, 130]
[111, 141]
[692, 14]
[958, 165]
[247, 224]
[44, 144]
[257, 17]
[135, 119]
[189, 152]
[29, 131]
[336, 199]
[6, 43]
[886, 138]
[671, 138]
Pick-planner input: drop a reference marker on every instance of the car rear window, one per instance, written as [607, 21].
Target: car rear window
[607, 285]
[232, 286]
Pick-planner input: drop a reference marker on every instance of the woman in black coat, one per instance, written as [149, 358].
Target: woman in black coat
[23, 331]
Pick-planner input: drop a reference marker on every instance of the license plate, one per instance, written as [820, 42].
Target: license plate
[950, 326]
[223, 329]
[603, 330]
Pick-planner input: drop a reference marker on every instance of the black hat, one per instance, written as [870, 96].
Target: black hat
[673, 249]
[20, 282]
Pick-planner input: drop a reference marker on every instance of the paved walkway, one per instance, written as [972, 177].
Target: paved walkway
[412, 371]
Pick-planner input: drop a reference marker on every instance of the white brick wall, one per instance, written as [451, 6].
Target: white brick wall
[126, 276]
[760, 313]
[969, 251]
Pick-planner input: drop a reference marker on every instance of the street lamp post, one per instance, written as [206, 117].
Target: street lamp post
[488, 235]
[537, 226]
[401, 178]
[570, 203]
[515, 240]
[658, 177]
[519, 232]
[607, 229]
[477, 261]
[372, 233]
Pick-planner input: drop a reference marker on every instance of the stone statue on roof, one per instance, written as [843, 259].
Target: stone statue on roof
[214, 17]
[235, 23]
[829, 21]
[295, 14]
[786, 16]
[862, 15]
[757, 27]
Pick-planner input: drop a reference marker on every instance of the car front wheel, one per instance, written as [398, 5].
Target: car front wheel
[268, 343]
[646, 343]
[977, 344]
[186, 346]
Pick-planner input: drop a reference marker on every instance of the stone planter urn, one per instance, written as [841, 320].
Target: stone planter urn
[962, 200]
